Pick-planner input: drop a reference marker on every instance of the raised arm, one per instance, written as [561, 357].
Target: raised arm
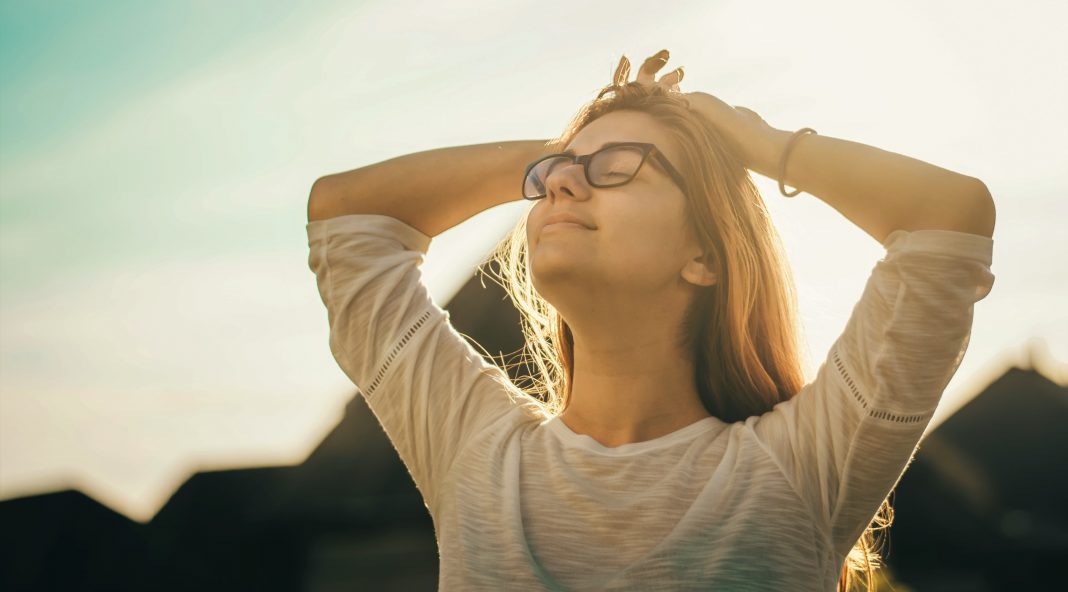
[878, 190]
[432, 190]
[369, 230]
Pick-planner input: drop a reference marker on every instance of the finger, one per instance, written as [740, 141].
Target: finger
[622, 72]
[651, 66]
[672, 78]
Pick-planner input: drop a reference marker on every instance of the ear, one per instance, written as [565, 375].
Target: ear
[696, 272]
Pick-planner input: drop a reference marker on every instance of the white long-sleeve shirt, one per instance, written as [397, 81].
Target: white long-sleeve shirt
[521, 502]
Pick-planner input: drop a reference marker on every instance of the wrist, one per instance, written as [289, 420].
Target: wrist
[764, 152]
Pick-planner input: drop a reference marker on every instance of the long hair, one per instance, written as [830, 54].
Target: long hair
[743, 331]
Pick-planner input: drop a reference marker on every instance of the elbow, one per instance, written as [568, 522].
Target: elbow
[320, 185]
[319, 188]
[961, 207]
[984, 213]
[317, 200]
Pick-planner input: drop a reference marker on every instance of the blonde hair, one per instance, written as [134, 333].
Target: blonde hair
[743, 331]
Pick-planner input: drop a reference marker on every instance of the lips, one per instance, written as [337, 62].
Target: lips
[567, 217]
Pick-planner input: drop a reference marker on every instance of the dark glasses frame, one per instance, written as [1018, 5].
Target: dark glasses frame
[648, 148]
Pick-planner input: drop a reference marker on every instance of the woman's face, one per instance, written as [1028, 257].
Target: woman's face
[638, 243]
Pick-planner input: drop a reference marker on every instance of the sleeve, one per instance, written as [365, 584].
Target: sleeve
[845, 439]
[427, 386]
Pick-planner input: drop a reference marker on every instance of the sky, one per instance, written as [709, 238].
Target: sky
[157, 314]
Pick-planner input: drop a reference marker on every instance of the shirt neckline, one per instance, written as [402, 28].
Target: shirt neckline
[572, 439]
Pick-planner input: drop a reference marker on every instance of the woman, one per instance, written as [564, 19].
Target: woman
[673, 443]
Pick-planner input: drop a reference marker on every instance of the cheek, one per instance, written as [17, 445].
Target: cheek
[650, 244]
[639, 249]
[643, 257]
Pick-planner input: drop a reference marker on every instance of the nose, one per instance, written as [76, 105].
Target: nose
[568, 179]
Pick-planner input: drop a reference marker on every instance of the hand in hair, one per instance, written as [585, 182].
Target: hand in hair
[650, 67]
[746, 132]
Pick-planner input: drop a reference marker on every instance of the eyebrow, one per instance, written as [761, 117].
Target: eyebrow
[605, 145]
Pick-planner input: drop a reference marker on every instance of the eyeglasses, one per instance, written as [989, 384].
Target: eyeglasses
[617, 163]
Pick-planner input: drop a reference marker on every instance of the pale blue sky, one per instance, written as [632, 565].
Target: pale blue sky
[157, 311]
[67, 63]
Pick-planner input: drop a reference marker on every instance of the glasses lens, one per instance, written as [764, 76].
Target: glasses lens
[615, 166]
[608, 168]
[534, 185]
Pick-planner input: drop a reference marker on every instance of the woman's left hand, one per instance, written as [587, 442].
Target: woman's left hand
[746, 132]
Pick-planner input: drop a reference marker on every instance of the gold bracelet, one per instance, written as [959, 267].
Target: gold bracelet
[785, 152]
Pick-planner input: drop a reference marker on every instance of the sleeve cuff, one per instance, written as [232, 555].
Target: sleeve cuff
[942, 242]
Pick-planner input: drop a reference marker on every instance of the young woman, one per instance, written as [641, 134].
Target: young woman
[673, 443]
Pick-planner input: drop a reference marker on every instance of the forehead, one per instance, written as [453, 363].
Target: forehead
[622, 126]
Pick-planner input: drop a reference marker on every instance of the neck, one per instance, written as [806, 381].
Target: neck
[629, 388]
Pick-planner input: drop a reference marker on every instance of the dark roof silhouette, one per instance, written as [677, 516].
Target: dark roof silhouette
[982, 505]
[66, 540]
